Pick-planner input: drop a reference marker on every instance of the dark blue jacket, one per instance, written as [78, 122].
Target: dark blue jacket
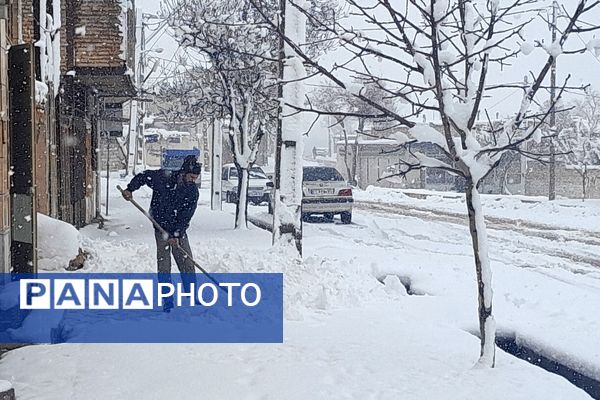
[173, 204]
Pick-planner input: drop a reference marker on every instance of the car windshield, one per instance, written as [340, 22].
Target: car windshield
[312, 174]
[255, 172]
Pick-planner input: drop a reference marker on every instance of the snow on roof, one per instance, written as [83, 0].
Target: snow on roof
[165, 133]
[377, 141]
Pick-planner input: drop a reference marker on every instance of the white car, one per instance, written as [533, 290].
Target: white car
[258, 190]
[325, 192]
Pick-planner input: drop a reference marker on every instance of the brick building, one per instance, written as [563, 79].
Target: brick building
[68, 59]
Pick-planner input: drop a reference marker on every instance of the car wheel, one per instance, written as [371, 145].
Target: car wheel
[346, 217]
[328, 216]
[305, 216]
[270, 207]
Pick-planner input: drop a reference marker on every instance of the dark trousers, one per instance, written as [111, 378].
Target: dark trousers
[184, 263]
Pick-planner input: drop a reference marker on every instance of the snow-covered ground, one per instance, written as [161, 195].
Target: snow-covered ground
[563, 213]
[347, 336]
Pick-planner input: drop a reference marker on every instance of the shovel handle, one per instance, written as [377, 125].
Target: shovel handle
[161, 230]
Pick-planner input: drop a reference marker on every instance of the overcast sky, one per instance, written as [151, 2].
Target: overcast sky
[584, 68]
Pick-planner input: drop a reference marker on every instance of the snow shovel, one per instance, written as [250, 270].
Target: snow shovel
[157, 226]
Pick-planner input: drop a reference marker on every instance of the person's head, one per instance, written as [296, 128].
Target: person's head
[190, 170]
[189, 178]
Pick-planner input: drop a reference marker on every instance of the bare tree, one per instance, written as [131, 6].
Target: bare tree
[174, 100]
[237, 80]
[581, 140]
[444, 57]
[240, 52]
[334, 100]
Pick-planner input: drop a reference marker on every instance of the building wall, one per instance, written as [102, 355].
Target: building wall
[95, 28]
[375, 162]
[43, 124]
[153, 150]
[110, 152]
[569, 182]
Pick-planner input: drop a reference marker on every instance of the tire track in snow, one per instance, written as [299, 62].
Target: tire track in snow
[513, 249]
[523, 231]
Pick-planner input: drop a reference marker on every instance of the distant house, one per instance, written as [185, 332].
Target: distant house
[378, 162]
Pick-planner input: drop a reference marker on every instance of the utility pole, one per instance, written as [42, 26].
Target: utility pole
[100, 128]
[134, 115]
[552, 172]
[216, 151]
[131, 138]
[140, 86]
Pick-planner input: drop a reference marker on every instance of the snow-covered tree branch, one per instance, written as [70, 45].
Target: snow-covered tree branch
[442, 57]
[237, 81]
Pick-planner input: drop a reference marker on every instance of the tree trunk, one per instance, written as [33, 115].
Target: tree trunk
[241, 209]
[487, 325]
[287, 212]
[584, 176]
[348, 170]
[361, 127]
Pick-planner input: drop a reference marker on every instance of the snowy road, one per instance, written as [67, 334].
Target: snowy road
[546, 290]
[346, 335]
[570, 245]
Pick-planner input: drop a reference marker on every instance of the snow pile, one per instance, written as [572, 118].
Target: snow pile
[5, 386]
[554, 49]
[527, 48]
[355, 337]
[594, 46]
[318, 283]
[41, 92]
[58, 243]
[374, 193]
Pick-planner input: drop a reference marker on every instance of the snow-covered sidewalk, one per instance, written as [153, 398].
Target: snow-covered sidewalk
[347, 336]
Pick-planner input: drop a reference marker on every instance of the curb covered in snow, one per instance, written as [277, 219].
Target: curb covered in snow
[6, 391]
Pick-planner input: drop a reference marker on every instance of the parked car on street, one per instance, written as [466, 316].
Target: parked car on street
[258, 190]
[325, 192]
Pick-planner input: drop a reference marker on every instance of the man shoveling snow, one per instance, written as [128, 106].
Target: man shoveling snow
[174, 201]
